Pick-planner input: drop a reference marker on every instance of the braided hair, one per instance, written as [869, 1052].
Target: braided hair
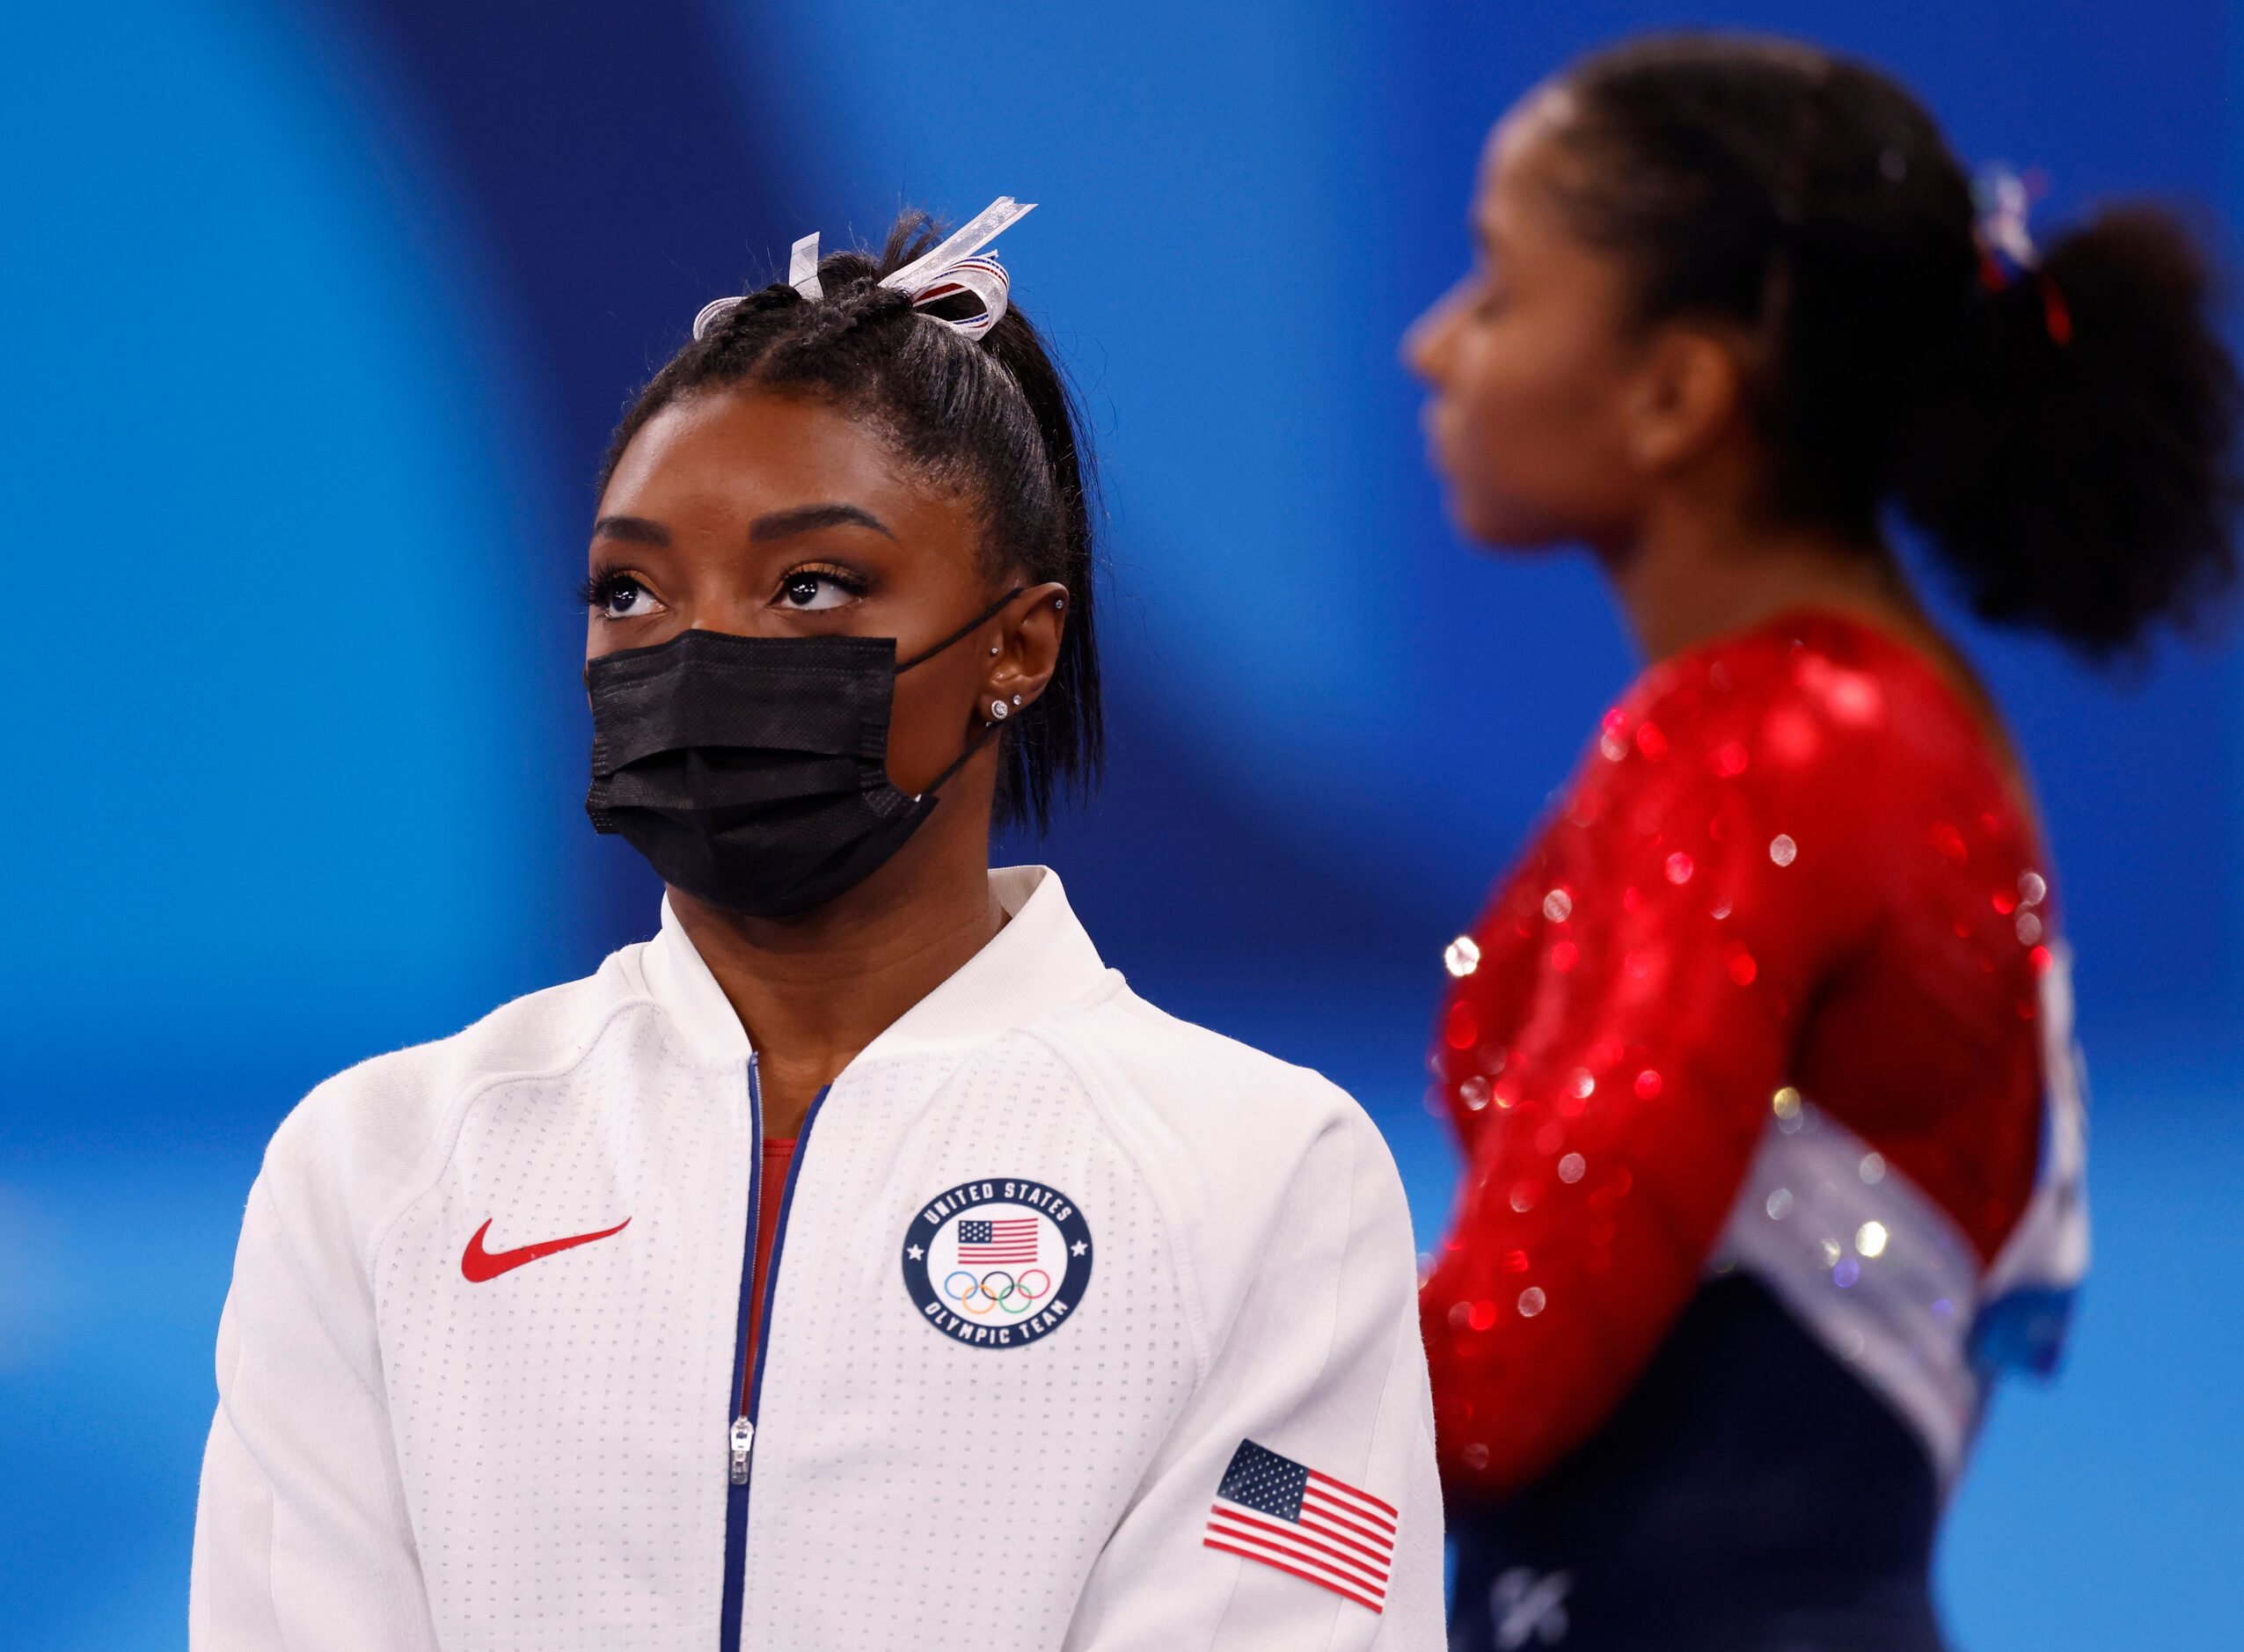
[993, 417]
[2066, 435]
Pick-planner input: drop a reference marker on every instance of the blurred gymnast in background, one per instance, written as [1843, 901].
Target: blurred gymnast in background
[1761, 1058]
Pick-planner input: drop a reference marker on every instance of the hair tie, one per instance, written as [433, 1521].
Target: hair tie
[2006, 243]
[2006, 251]
[958, 267]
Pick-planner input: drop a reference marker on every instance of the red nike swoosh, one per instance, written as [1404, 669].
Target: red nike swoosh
[479, 1264]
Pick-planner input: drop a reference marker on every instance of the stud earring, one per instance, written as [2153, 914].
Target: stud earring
[998, 710]
[1016, 702]
[993, 651]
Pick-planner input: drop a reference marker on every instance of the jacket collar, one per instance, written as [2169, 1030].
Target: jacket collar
[1039, 963]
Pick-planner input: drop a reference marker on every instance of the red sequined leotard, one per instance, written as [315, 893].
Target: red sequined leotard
[1795, 864]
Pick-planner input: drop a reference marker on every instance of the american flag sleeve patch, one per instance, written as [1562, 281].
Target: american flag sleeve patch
[1321, 1529]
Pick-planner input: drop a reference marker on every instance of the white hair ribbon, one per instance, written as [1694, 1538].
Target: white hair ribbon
[957, 267]
[802, 267]
[802, 275]
[982, 279]
[711, 313]
[952, 268]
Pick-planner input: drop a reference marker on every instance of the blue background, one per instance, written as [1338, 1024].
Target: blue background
[317, 316]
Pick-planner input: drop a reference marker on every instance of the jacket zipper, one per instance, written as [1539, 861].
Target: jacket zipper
[740, 1433]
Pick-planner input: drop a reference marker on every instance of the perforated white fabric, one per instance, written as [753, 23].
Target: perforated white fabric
[420, 1447]
[963, 1540]
[573, 1397]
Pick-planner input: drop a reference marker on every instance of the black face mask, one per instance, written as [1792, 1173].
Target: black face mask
[753, 772]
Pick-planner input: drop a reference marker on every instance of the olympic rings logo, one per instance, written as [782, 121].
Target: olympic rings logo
[996, 1291]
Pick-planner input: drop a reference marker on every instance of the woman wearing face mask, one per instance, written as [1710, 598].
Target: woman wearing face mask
[1760, 1058]
[857, 1263]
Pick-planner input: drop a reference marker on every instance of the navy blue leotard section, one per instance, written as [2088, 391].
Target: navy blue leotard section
[1750, 1494]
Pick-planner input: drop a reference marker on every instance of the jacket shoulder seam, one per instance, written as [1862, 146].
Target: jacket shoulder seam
[1172, 1226]
[453, 1119]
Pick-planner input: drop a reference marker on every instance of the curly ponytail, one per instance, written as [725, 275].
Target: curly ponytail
[2066, 437]
[2079, 473]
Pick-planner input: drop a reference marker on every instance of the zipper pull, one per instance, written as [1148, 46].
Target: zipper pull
[742, 1436]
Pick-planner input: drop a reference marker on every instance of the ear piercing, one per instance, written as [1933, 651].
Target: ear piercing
[993, 651]
[1000, 711]
[1016, 702]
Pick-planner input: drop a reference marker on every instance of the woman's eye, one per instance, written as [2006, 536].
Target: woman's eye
[620, 596]
[807, 592]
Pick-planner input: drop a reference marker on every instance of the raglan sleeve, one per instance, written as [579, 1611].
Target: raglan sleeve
[1707, 891]
[302, 1537]
[1297, 1502]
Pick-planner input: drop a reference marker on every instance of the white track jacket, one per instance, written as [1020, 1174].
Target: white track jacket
[1085, 1328]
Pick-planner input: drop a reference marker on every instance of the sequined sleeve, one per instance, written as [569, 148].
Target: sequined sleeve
[1620, 1019]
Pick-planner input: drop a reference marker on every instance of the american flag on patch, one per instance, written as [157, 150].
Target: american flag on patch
[1002, 1241]
[1285, 1514]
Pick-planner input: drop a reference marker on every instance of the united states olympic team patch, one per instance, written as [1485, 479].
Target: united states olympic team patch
[997, 1263]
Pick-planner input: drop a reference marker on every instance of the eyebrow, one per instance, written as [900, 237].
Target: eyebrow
[782, 524]
[637, 529]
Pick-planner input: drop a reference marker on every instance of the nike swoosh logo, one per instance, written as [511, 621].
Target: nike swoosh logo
[479, 1264]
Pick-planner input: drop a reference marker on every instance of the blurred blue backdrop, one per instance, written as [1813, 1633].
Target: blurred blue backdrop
[319, 313]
